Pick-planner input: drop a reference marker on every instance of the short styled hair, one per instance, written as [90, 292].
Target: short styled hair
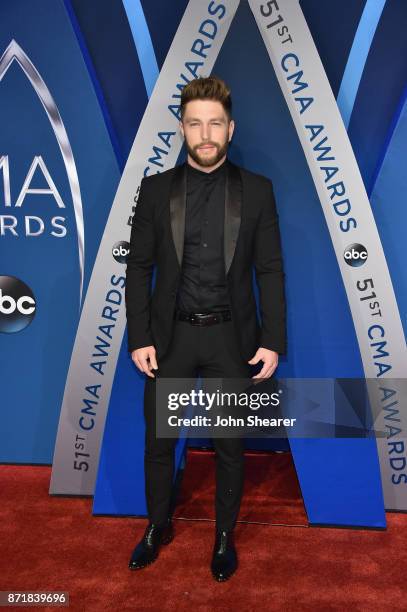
[207, 88]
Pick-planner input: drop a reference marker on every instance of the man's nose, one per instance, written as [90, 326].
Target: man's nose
[205, 132]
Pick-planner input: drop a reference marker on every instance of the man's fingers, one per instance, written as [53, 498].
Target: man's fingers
[266, 370]
[145, 367]
[145, 360]
[136, 361]
[153, 360]
[272, 367]
[255, 359]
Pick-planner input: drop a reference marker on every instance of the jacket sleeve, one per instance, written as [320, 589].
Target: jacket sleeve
[139, 270]
[270, 276]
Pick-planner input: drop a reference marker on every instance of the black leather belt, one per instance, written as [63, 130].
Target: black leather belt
[202, 319]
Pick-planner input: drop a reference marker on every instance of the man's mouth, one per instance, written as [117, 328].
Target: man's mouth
[206, 147]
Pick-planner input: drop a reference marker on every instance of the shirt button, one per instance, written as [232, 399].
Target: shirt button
[206, 221]
[204, 244]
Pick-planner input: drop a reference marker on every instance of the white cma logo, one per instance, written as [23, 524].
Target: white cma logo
[34, 225]
[15, 52]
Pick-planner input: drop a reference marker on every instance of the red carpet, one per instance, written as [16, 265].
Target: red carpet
[271, 491]
[55, 543]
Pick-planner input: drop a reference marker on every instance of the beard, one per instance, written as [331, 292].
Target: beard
[208, 160]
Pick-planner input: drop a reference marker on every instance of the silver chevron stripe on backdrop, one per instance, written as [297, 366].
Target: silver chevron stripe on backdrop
[157, 145]
[350, 221]
[15, 53]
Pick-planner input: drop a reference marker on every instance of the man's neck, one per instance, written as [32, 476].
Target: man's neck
[194, 164]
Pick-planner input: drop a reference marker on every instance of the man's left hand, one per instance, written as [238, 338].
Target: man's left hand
[270, 361]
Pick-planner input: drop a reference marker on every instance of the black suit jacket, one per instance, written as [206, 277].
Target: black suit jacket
[251, 237]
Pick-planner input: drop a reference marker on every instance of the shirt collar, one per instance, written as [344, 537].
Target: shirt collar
[207, 175]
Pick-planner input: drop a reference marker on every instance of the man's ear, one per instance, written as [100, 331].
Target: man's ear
[231, 129]
[181, 127]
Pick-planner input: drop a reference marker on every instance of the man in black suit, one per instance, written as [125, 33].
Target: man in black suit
[204, 224]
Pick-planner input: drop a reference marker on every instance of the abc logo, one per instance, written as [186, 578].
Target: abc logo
[120, 251]
[17, 305]
[355, 255]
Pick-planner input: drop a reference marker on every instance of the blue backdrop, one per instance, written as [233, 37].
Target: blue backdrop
[89, 56]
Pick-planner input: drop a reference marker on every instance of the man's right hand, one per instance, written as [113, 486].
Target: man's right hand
[141, 356]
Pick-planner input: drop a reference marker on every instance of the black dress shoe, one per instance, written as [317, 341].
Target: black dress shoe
[148, 548]
[224, 558]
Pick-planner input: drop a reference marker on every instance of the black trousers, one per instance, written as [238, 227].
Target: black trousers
[208, 352]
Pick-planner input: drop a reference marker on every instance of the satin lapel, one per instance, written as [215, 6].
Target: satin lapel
[233, 205]
[177, 209]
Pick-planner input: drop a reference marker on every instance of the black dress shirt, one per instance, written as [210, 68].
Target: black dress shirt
[203, 286]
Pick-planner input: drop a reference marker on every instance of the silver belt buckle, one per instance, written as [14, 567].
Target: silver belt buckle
[195, 320]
